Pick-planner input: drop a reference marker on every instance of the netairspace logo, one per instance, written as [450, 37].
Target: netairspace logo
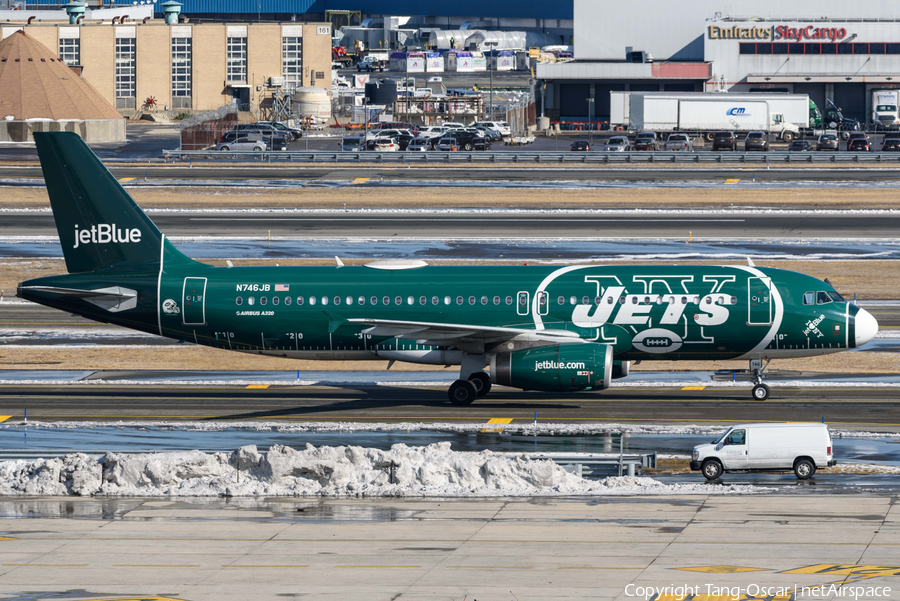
[104, 233]
[540, 365]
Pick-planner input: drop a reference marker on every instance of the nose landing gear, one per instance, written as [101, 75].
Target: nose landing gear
[760, 391]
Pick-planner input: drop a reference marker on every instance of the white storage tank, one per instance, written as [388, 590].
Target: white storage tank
[312, 102]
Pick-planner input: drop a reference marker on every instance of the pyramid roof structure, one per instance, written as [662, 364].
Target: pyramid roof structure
[36, 84]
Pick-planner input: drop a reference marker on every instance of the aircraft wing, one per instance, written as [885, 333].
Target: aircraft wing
[467, 337]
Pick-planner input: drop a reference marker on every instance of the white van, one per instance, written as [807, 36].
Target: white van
[801, 448]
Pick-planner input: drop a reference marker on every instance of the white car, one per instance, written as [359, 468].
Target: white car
[432, 131]
[453, 124]
[499, 126]
[386, 145]
[618, 144]
[801, 448]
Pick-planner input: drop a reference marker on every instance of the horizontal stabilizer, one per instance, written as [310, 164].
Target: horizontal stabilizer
[113, 299]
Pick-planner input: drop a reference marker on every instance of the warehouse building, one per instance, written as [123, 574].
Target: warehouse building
[826, 49]
[187, 66]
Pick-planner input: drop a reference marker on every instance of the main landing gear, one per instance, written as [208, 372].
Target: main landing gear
[760, 391]
[464, 392]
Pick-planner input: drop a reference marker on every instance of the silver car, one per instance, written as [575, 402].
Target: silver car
[419, 145]
[679, 142]
[352, 144]
[618, 144]
[240, 142]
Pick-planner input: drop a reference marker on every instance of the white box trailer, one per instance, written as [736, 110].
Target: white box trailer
[794, 109]
[885, 105]
[705, 114]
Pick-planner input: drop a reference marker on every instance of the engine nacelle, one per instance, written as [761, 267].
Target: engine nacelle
[555, 368]
[621, 369]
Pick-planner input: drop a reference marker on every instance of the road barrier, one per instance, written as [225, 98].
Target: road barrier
[513, 156]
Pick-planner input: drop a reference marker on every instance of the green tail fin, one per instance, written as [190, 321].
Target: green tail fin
[99, 224]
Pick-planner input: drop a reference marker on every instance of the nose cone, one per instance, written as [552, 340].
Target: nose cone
[866, 327]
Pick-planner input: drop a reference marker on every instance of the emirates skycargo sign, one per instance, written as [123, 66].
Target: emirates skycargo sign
[777, 32]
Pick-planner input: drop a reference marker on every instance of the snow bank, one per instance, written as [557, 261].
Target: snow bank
[402, 471]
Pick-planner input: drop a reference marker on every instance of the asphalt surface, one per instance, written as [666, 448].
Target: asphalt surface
[840, 406]
[396, 172]
[498, 225]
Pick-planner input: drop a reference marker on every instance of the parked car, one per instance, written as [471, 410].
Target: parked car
[447, 144]
[397, 125]
[618, 144]
[241, 141]
[724, 140]
[498, 126]
[453, 124]
[646, 141]
[493, 134]
[891, 143]
[859, 145]
[402, 136]
[580, 146]
[828, 142]
[464, 140]
[352, 144]
[800, 146]
[756, 140]
[858, 135]
[386, 145]
[420, 145]
[275, 140]
[801, 448]
[432, 131]
[677, 142]
[370, 63]
[292, 133]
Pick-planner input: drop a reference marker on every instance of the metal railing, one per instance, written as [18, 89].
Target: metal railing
[531, 156]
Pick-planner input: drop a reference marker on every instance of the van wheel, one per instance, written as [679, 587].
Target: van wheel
[711, 469]
[760, 392]
[804, 469]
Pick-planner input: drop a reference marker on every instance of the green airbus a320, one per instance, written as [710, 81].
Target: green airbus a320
[559, 329]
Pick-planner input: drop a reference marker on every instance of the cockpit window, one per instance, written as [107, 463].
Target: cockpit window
[835, 296]
[822, 298]
[809, 298]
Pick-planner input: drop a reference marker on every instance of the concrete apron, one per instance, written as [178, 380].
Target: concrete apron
[694, 548]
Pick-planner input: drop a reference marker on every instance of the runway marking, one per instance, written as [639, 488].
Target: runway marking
[593, 568]
[259, 386]
[501, 421]
[3, 418]
[360, 180]
[694, 388]
[155, 565]
[722, 569]
[493, 567]
[46, 565]
[127, 179]
[378, 566]
[266, 566]
[862, 571]
[732, 181]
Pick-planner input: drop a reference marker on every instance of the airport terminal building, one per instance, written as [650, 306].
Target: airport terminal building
[827, 49]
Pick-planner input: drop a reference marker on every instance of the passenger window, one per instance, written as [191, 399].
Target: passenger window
[471, 300]
[422, 300]
[398, 300]
[736, 437]
[251, 301]
[621, 300]
[597, 300]
[683, 300]
[446, 300]
[349, 300]
[239, 300]
[708, 301]
[374, 300]
[585, 300]
[646, 300]
[809, 298]
[572, 300]
[561, 300]
[337, 300]
[508, 300]
[733, 300]
[496, 300]
[287, 300]
[274, 300]
[822, 298]
[542, 300]
[263, 300]
[435, 300]
[386, 300]
[362, 300]
[324, 300]
[312, 300]
[410, 300]
[484, 300]
[459, 300]
[634, 300]
[696, 300]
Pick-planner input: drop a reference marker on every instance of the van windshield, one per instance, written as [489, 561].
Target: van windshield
[724, 434]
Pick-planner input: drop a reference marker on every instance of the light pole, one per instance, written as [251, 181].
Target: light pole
[590, 102]
[490, 45]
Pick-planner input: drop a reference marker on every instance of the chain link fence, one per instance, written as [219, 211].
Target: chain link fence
[206, 129]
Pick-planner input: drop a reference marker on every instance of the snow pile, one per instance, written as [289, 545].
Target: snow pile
[402, 471]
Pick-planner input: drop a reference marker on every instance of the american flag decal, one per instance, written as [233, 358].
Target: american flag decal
[282, 287]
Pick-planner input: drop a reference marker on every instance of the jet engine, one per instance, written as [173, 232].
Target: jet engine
[555, 368]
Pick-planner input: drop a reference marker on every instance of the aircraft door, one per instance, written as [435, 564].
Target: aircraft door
[193, 299]
[759, 301]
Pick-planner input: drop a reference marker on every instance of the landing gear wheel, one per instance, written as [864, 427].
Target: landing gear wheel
[804, 469]
[462, 392]
[482, 383]
[711, 469]
[760, 392]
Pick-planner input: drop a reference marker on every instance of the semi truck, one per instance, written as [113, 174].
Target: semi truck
[703, 114]
[885, 104]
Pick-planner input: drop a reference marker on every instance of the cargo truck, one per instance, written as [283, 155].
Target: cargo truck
[885, 104]
[703, 114]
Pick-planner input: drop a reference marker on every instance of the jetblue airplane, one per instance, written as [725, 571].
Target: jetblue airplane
[559, 329]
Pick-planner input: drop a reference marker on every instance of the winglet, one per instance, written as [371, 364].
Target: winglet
[339, 262]
[750, 262]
